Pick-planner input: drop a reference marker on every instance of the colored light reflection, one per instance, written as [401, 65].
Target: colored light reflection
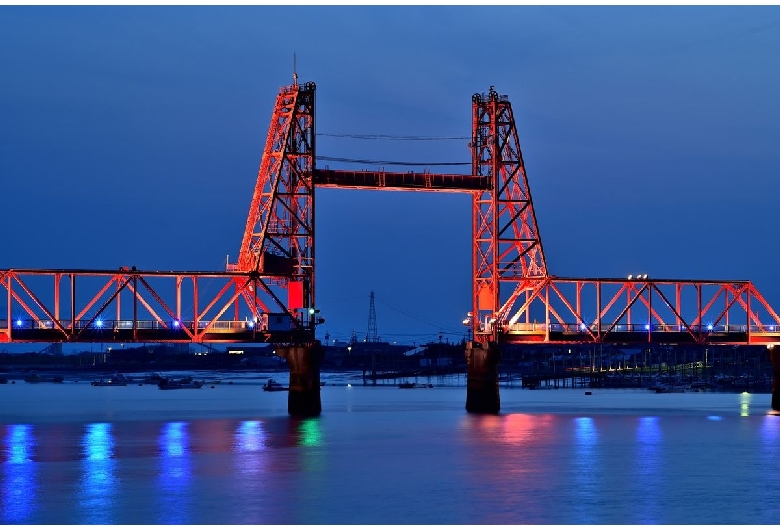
[175, 473]
[19, 487]
[98, 487]
[309, 432]
[770, 431]
[250, 437]
[744, 404]
[647, 463]
[586, 468]
[586, 432]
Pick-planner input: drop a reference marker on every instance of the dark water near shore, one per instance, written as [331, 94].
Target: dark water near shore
[76, 454]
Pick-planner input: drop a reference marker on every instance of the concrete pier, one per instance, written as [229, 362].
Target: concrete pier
[303, 398]
[482, 377]
[774, 356]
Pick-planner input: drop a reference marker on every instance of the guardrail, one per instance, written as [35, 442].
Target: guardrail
[642, 328]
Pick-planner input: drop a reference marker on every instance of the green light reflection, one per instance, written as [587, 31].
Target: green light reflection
[309, 432]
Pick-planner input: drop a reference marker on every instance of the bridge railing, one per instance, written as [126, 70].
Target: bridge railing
[520, 328]
[221, 326]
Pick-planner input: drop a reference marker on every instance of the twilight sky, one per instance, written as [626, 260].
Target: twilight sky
[133, 136]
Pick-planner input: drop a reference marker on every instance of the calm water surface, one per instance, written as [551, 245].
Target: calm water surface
[77, 454]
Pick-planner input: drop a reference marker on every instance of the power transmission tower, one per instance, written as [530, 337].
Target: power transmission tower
[373, 335]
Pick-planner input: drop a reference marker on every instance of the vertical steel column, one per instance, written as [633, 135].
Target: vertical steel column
[678, 304]
[57, 277]
[196, 317]
[72, 305]
[598, 311]
[135, 305]
[749, 290]
[178, 282]
[9, 321]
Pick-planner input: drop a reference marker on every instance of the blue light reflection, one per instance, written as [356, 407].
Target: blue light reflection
[19, 486]
[98, 486]
[647, 462]
[175, 473]
[585, 466]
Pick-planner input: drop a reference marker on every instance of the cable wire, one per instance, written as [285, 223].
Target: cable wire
[389, 162]
[392, 137]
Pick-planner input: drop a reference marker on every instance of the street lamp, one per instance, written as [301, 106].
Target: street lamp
[467, 322]
[349, 350]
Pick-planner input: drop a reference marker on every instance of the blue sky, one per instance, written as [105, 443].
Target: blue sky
[133, 135]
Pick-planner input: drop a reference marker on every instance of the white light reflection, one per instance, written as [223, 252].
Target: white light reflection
[98, 478]
[19, 487]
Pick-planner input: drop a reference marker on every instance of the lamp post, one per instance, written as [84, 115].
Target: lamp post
[467, 322]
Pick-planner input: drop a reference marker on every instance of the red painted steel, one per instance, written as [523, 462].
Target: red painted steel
[507, 246]
[514, 299]
[278, 240]
[146, 313]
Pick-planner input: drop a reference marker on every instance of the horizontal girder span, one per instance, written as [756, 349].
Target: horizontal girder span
[400, 181]
[614, 310]
[127, 305]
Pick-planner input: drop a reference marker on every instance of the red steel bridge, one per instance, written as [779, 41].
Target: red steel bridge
[268, 294]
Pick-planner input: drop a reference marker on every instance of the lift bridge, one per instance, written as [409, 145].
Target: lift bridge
[268, 294]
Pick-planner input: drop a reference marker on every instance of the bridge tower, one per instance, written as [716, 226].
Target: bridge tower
[507, 247]
[279, 239]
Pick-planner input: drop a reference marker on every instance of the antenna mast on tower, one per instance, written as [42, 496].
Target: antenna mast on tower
[373, 335]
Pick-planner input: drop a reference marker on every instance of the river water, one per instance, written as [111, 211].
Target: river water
[230, 454]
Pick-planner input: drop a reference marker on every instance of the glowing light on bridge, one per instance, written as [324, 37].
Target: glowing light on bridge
[98, 323]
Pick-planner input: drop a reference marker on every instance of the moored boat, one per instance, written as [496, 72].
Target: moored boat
[173, 384]
[274, 386]
[115, 380]
[35, 378]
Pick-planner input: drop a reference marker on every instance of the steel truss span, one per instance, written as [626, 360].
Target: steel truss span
[145, 306]
[268, 293]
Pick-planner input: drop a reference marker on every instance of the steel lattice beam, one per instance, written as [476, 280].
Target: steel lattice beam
[145, 306]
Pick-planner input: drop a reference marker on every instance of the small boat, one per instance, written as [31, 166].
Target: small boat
[173, 384]
[35, 378]
[274, 386]
[407, 385]
[671, 389]
[115, 380]
[151, 378]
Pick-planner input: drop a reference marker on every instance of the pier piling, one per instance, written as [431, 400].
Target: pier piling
[303, 398]
[482, 377]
